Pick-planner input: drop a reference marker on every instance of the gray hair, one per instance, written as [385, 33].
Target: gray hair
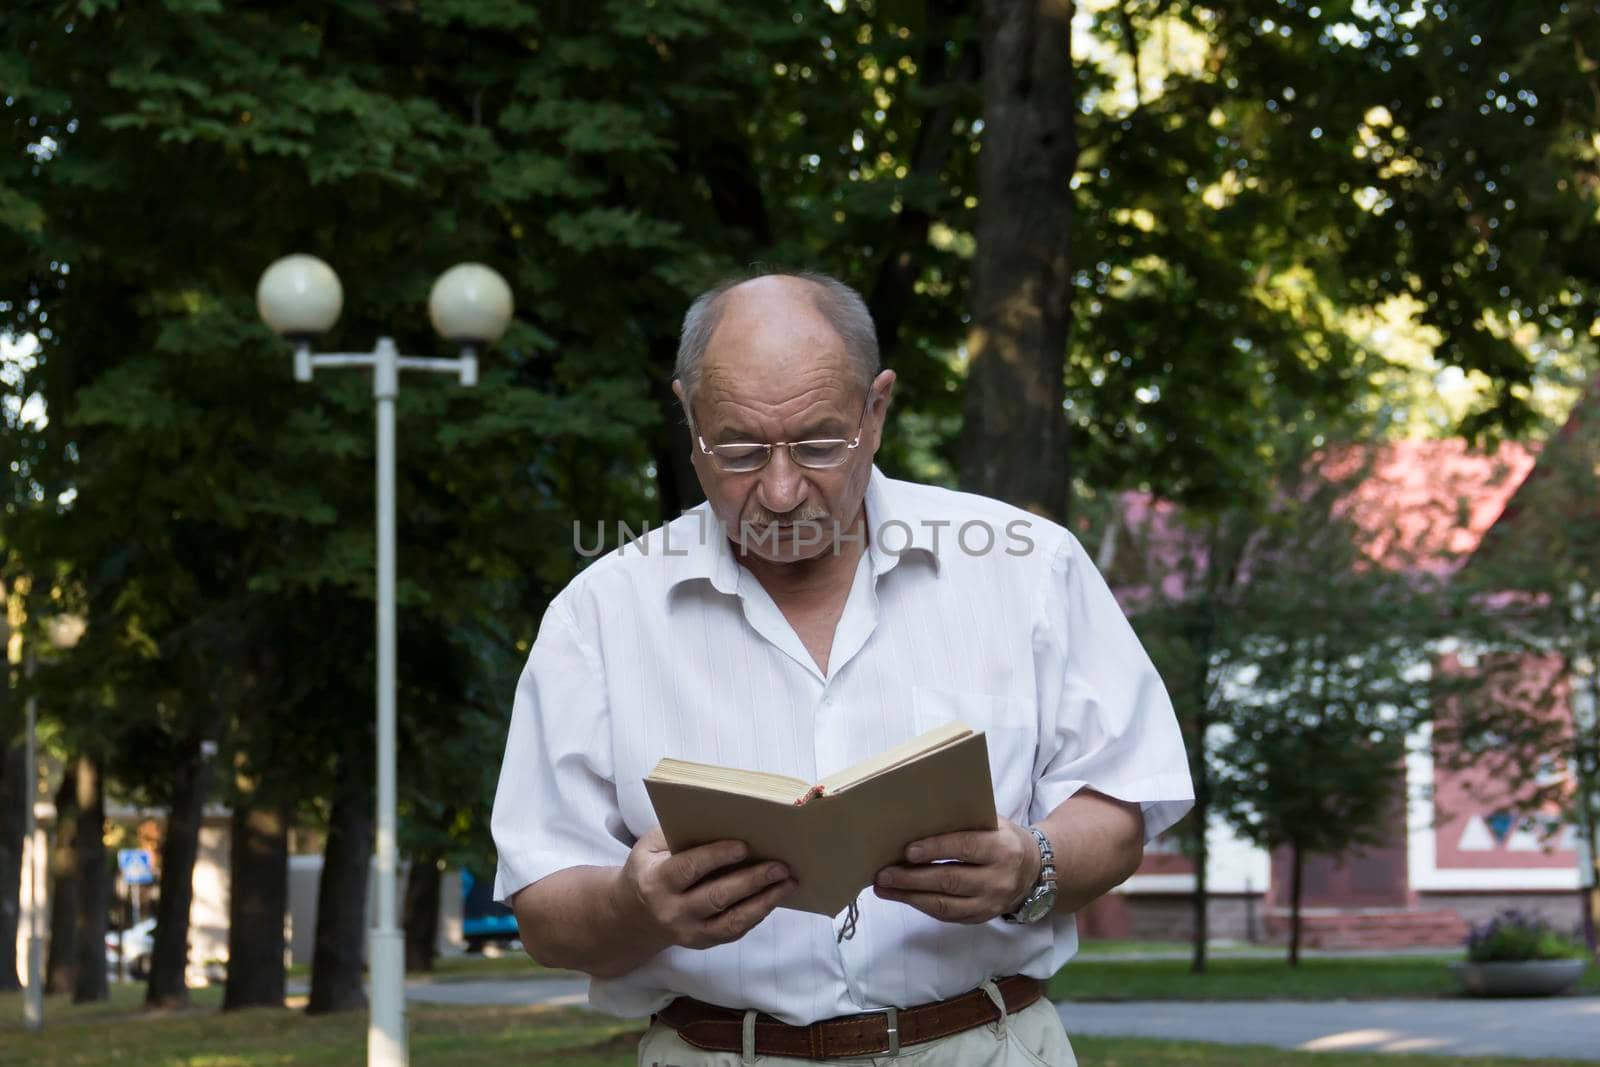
[841, 305]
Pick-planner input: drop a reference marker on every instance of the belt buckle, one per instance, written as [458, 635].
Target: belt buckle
[892, 1023]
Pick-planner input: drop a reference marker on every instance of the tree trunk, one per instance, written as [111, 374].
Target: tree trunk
[1014, 431]
[1199, 773]
[336, 961]
[1202, 863]
[94, 883]
[1589, 898]
[257, 901]
[1296, 885]
[1589, 808]
[180, 846]
[61, 965]
[422, 912]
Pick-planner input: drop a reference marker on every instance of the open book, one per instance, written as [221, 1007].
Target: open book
[836, 834]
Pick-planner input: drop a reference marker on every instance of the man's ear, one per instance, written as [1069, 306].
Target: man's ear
[883, 388]
[683, 401]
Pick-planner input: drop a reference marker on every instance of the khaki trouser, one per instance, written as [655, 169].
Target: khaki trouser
[1033, 1037]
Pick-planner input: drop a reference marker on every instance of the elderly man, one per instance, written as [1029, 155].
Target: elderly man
[810, 614]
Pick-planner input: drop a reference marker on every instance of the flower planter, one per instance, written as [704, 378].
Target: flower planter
[1519, 978]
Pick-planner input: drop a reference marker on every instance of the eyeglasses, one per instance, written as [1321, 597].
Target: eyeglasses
[822, 453]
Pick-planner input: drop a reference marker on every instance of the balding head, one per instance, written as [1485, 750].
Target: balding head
[835, 305]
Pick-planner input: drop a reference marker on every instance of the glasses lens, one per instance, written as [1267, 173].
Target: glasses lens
[741, 457]
[829, 453]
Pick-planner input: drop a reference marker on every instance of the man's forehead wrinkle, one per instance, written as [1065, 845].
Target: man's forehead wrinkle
[794, 412]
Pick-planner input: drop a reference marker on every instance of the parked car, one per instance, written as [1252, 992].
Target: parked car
[138, 942]
[482, 920]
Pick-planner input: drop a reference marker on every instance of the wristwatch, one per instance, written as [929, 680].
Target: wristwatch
[1042, 897]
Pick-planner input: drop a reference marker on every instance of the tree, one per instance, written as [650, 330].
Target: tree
[1531, 602]
[1284, 627]
[1251, 174]
[1182, 576]
[1332, 679]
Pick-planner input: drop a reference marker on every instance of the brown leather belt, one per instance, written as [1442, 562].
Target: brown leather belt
[715, 1029]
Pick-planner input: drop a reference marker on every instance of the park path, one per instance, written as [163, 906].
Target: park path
[1557, 1027]
[1560, 1027]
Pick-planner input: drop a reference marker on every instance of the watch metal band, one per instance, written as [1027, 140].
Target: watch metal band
[1045, 883]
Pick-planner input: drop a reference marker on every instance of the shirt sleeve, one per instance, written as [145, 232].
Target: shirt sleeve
[556, 803]
[1106, 719]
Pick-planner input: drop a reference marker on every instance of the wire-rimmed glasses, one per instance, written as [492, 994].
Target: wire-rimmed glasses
[821, 453]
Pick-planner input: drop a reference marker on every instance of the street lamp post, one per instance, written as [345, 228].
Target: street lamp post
[33, 1003]
[299, 296]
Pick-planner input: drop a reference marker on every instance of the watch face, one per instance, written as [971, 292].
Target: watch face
[1037, 907]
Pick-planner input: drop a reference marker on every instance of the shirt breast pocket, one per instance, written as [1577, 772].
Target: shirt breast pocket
[1010, 732]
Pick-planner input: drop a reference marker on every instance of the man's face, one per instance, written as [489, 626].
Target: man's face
[776, 371]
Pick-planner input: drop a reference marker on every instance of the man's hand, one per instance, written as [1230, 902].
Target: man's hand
[996, 869]
[689, 899]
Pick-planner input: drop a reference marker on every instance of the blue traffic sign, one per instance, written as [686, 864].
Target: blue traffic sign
[136, 866]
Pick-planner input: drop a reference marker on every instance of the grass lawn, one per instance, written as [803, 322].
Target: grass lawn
[505, 964]
[118, 1032]
[1319, 978]
[1123, 947]
[115, 1033]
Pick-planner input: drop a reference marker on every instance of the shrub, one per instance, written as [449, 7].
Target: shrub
[1514, 935]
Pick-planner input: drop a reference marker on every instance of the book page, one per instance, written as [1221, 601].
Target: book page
[756, 784]
[913, 749]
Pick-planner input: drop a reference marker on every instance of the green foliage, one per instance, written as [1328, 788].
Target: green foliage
[1287, 162]
[213, 518]
[1513, 936]
[1296, 660]
[1336, 647]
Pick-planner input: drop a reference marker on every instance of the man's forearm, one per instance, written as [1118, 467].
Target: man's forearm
[1098, 843]
[572, 919]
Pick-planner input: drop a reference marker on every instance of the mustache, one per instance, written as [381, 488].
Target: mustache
[762, 517]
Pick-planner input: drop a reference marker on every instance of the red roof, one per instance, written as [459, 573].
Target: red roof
[1426, 505]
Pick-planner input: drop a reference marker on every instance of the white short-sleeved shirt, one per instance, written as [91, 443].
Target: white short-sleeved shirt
[669, 647]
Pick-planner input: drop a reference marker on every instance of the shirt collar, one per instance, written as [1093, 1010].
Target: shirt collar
[897, 525]
[701, 551]
[896, 529]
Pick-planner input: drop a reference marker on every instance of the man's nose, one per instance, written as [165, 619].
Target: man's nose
[783, 484]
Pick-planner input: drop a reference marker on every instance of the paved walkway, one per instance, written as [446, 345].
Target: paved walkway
[1565, 1027]
[1558, 1027]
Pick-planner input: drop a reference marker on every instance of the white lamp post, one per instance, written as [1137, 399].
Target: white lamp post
[299, 297]
[33, 1003]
